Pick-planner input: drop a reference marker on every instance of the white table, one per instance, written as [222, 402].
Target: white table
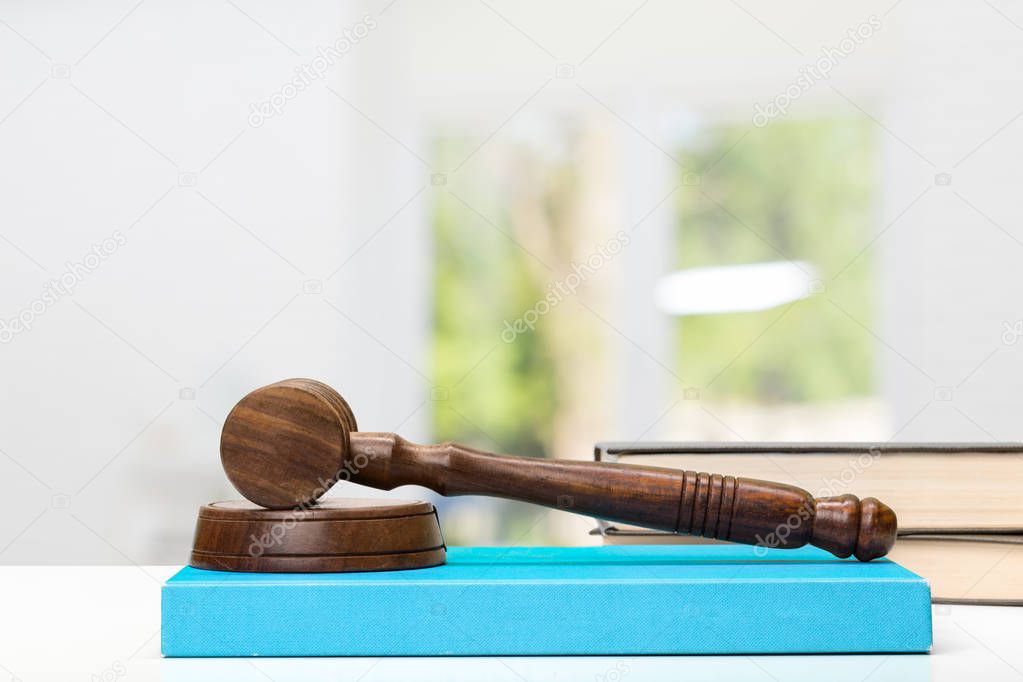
[102, 623]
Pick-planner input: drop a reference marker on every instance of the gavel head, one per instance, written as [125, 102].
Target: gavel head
[284, 445]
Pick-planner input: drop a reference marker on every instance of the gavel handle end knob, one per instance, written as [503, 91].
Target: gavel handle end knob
[847, 526]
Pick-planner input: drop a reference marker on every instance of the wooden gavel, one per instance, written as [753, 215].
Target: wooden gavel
[284, 445]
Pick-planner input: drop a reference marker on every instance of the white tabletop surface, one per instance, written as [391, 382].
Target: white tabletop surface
[103, 623]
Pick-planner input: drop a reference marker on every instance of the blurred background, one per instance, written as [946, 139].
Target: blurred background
[527, 227]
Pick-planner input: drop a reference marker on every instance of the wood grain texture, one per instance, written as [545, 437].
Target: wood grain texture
[337, 535]
[741, 510]
[286, 443]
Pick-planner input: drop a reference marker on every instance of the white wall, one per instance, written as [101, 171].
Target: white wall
[107, 454]
[950, 258]
[105, 110]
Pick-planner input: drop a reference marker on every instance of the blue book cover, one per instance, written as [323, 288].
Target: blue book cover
[618, 600]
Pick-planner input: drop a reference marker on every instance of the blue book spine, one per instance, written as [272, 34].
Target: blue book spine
[695, 599]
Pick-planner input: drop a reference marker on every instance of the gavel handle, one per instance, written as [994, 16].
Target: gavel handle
[741, 510]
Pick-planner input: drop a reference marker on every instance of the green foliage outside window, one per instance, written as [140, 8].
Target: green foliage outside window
[482, 279]
[800, 191]
[792, 190]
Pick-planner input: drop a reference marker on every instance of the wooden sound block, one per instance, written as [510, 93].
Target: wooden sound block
[334, 536]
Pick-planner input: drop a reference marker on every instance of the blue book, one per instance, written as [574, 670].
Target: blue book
[616, 600]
